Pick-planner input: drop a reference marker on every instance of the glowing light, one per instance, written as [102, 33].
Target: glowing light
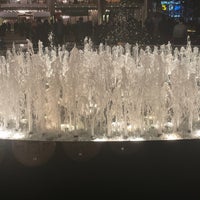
[129, 127]
[191, 31]
[18, 136]
[164, 7]
[4, 134]
[172, 137]
[23, 11]
[105, 139]
[65, 127]
[197, 134]
[65, 17]
[137, 139]
[100, 140]
[24, 121]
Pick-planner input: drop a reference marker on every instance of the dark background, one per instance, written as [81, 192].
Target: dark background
[144, 170]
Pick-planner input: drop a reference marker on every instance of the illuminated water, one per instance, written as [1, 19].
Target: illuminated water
[120, 93]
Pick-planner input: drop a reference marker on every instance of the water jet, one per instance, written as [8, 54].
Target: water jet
[103, 94]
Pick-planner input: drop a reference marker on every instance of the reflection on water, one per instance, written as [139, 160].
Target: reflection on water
[33, 153]
[81, 151]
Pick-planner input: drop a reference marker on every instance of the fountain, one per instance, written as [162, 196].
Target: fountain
[108, 93]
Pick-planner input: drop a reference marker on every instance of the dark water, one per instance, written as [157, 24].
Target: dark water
[164, 169]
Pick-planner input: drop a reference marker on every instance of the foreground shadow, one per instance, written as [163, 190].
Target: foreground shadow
[44, 169]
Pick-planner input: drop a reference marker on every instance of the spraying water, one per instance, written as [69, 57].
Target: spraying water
[109, 92]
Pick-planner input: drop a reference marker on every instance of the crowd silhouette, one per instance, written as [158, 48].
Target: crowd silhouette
[39, 30]
[157, 29]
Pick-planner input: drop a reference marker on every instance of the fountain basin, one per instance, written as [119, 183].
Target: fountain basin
[157, 167]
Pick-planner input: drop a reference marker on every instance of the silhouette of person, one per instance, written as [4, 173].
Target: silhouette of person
[180, 33]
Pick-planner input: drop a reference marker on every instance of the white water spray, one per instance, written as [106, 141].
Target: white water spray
[108, 92]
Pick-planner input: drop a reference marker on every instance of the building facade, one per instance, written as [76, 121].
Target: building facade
[96, 11]
[11, 9]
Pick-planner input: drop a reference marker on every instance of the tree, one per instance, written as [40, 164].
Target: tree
[123, 27]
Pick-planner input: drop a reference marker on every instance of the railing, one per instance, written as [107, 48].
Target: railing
[75, 4]
[118, 5]
[78, 5]
[23, 5]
